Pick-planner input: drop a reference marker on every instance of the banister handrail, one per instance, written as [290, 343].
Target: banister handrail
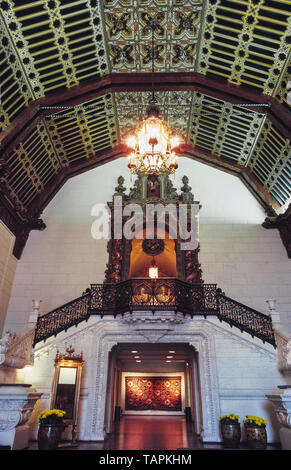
[155, 294]
[67, 304]
[246, 318]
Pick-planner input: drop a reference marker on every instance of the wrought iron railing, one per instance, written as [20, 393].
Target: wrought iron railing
[245, 318]
[152, 295]
[62, 318]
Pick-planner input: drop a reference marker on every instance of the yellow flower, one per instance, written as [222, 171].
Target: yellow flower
[45, 414]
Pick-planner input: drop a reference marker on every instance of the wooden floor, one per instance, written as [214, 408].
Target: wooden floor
[150, 433]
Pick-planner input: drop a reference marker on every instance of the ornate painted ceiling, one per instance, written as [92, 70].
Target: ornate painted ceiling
[76, 75]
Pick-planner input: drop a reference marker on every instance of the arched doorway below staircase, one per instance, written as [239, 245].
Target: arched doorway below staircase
[153, 390]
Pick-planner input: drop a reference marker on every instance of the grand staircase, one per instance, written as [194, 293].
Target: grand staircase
[152, 295]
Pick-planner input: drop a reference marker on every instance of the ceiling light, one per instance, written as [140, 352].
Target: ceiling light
[168, 361]
[137, 361]
[136, 357]
[172, 352]
[153, 146]
[134, 352]
[153, 270]
[170, 357]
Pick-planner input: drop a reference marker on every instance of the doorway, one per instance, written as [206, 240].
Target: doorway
[153, 386]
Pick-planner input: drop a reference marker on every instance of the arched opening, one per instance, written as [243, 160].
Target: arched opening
[145, 250]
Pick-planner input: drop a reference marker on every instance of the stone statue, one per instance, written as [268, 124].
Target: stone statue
[170, 191]
[135, 192]
[187, 196]
[120, 189]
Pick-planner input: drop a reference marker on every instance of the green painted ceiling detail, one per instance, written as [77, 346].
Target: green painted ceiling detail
[129, 34]
[246, 42]
[57, 142]
[52, 45]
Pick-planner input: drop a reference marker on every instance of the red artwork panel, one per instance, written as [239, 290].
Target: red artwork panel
[153, 393]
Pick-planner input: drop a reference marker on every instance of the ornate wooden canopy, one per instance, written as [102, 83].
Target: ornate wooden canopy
[76, 74]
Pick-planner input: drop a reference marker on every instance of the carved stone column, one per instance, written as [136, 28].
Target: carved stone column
[283, 223]
[281, 400]
[34, 313]
[17, 402]
[274, 314]
[281, 397]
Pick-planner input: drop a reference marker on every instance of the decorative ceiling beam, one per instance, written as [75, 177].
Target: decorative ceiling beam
[283, 223]
[75, 168]
[22, 230]
[132, 82]
[105, 156]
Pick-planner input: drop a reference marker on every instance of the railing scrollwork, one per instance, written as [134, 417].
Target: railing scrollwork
[155, 294]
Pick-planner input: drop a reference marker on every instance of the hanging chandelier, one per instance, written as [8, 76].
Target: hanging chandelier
[152, 146]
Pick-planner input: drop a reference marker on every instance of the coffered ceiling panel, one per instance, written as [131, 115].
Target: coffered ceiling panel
[129, 34]
[223, 129]
[72, 134]
[271, 163]
[246, 42]
[58, 51]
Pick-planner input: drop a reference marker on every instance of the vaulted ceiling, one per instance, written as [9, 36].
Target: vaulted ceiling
[76, 74]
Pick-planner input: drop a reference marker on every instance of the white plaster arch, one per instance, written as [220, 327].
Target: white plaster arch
[201, 339]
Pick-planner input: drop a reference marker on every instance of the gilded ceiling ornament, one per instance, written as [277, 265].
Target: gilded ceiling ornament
[187, 23]
[119, 25]
[122, 55]
[147, 19]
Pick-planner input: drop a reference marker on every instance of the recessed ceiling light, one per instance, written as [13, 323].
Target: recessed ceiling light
[134, 352]
[172, 352]
[168, 361]
[137, 361]
[170, 357]
[136, 357]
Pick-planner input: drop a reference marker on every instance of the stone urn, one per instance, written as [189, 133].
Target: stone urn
[17, 402]
[255, 432]
[49, 436]
[50, 430]
[256, 437]
[231, 435]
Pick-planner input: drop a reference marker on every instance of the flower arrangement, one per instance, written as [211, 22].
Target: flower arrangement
[229, 419]
[254, 422]
[49, 417]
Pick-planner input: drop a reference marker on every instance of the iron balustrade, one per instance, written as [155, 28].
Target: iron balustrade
[245, 318]
[62, 318]
[154, 294]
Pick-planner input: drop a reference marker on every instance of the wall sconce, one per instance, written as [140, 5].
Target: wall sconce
[153, 270]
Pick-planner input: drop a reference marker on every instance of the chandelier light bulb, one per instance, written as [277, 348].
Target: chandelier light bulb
[152, 146]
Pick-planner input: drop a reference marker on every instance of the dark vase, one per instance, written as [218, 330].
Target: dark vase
[49, 436]
[231, 434]
[256, 437]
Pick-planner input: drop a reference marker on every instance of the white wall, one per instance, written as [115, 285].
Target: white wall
[7, 270]
[247, 261]
[236, 371]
